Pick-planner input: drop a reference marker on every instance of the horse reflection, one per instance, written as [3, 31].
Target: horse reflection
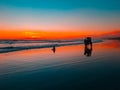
[88, 51]
[88, 46]
[54, 49]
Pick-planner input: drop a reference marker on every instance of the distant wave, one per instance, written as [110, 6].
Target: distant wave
[48, 44]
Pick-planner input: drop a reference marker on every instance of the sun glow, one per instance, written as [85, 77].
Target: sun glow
[46, 35]
[31, 34]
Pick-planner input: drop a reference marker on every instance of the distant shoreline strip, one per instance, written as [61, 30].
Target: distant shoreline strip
[12, 49]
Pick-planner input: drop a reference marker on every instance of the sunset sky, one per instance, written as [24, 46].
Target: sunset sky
[56, 19]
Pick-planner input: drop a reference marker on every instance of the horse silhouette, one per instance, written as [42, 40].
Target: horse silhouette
[88, 41]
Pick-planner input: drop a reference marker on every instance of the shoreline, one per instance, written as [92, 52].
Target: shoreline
[20, 48]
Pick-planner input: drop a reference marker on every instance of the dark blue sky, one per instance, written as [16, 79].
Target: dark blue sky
[110, 5]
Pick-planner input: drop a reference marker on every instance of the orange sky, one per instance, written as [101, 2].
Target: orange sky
[5, 34]
[41, 35]
[58, 20]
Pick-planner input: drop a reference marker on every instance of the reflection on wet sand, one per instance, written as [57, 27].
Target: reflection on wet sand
[64, 52]
[54, 49]
[41, 69]
[88, 51]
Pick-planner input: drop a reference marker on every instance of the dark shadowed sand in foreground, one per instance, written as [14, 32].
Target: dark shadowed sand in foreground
[62, 68]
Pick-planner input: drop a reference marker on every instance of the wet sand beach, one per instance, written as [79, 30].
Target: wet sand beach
[62, 68]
